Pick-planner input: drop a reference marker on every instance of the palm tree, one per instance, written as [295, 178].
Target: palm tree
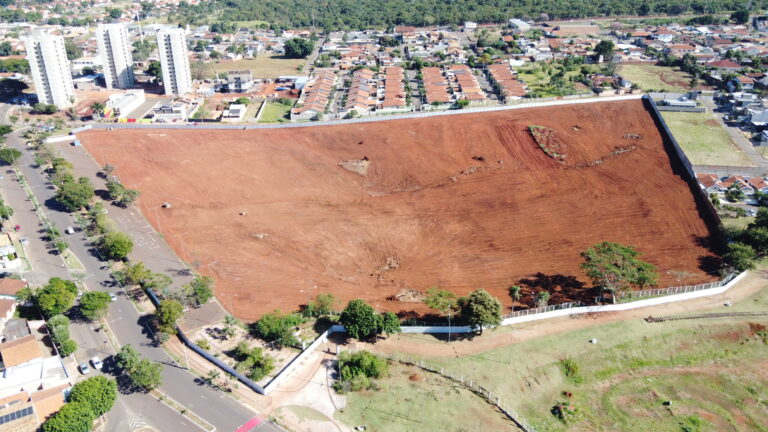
[98, 108]
[542, 298]
[515, 291]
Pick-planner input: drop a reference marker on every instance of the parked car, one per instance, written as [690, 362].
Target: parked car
[84, 369]
[17, 227]
[96, 362]
[69, 230]
[113, 296]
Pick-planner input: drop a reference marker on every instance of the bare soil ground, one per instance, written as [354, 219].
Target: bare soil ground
[461, 202]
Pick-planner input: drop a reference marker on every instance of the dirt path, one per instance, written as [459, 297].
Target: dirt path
[749, 286]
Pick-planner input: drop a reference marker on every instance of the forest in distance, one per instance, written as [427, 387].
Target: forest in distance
[366, 14]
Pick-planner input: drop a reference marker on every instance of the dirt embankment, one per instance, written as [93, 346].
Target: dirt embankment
[385, 210]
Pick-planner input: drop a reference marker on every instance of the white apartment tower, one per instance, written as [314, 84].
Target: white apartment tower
[172, 46]
[50, 68]
[115, 51]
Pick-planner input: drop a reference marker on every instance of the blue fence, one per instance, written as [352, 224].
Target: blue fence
[205, 354]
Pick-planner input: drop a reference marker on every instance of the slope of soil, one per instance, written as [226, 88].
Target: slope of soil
[461, 202]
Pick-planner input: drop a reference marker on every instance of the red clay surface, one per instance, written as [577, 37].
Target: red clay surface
[461, 202]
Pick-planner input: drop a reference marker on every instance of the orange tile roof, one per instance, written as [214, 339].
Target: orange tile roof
[20, 351]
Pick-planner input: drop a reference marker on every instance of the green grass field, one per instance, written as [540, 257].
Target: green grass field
[538, 77]
[704, 140]
[263, 66]
[412, 400]
[652, 77]
[712, 371]
[274, 112]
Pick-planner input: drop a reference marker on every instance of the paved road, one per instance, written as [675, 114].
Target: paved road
[130, 327]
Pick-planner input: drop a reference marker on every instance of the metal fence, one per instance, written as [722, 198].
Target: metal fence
[470, 385]
[674, 290]
[543, 309]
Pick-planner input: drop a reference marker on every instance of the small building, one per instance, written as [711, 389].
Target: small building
[170, 112]
[88, 82]
[239, 81]
[9, 259]
[470, 25]
[234, 113]
[518, 25]
[120, 105]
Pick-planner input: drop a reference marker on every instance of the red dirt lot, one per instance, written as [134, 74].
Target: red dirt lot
[379, 210]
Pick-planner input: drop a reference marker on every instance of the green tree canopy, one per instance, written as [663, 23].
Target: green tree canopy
[356, 370]
[116, 245]
[740, 16]
[202, 288]
[56, 296]
[168, 312]
[390, 323]
[480, 309]
[9, 156]
[72, 49]
[441, 300]
[72, 417]
[617, 268]
[147, 375]
[74, 195]
[278, 327]
[253, 362]
[154, 69]
[98, 392]
[740, 256]
[360, 320]
[94, 304]
[127, 358]
[298, 47]
[605, 48]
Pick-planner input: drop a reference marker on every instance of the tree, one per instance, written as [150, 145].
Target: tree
[114, 13]
[359, 319]
[115, 189]
[154, 69]
[441, 300]
[243, 100]
[168, 312]
[298, 47]
[134, 274]
[74, 195]
[740, 16]
[127, 358]
[356, 370]
[605, 49]
[67, 347]
[740, 256]
[5, 49]
[516, 292]
[72, 417]
[72, 49]
[147, 375]
[278, 327]
[98, 108]
[253, 362]
[390, 323]
[56, 296]
[94, 304]
[9, 156]
[202, 289]
[542, 298]
[322, 305]
[616, 268]
[480, 309]
[98, 392]
[116, 245]
[12, 87]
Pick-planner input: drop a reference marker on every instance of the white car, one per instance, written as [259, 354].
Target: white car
[96, 362]
[113, 296]
[84, 369]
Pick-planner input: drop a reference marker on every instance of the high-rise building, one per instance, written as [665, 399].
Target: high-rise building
[172, 46]
[50, 68]
[115, 51]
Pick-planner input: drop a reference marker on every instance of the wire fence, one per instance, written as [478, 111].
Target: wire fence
[630, 295]
[543, 309]
[471, 385]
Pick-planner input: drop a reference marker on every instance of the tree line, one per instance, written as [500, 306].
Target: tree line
[363, 14]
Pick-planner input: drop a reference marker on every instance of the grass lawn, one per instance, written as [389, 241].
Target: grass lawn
[652, 77]
[539, 78]
[274, 112]
[713, 372]
[263, 66]
[704, 140]
[412, 400]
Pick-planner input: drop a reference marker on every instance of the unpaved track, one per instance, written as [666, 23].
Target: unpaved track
[461, 201]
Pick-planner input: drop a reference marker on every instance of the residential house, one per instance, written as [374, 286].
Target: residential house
[9, 259]
[9, 287]
[234, 113]
[741, 83]
[711, 183]
[738, 182]
[239, 81]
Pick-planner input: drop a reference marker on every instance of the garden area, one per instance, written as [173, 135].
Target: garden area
[650, 77]
[704, 140]
[276, 111]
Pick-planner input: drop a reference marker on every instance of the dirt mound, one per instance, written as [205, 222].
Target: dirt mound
[460, 202]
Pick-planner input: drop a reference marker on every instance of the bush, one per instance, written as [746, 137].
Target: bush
[202, 289]
[253, 362]
[278, 328]
[203, 343]
[356, 371]
[9, 156]
[72, 417]
[571, 370]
